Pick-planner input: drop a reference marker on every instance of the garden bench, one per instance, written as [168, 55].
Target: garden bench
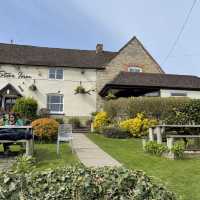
[29, 143]
[170, 141]
[160, 129]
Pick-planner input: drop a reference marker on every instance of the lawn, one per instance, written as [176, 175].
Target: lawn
[46, 156]
[180, 176]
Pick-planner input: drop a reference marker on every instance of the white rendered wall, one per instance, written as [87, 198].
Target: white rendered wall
[190, 94]
[74, 105]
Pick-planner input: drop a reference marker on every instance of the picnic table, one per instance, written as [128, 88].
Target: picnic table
[28, 142]
[159, 131]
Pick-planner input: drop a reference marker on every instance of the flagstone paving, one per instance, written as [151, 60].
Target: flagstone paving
[90, 154]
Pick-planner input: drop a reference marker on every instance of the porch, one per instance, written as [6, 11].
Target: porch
[8, 96]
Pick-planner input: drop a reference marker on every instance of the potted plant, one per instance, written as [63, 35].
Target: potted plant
[33, 87]
[80, 90]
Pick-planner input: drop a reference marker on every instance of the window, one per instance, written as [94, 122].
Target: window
[134, 69]
[178, 94]
[55, 103]
[55, 73]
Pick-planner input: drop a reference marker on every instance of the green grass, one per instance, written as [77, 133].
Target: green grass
[46, 156]
[180, 176]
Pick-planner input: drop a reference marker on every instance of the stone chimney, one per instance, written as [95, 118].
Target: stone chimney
[99, 48]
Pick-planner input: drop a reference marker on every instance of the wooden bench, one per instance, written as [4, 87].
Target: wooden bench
[170, 142]
[159, 130]
[170, 138]
[28, 143]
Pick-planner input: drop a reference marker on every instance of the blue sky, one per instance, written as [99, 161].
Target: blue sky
[81, 24]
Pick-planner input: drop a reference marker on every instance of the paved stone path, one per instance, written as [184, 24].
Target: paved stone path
[90, 154]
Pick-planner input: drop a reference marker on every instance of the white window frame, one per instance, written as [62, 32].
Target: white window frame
[55, 94]
[138, 69]
[55, 68]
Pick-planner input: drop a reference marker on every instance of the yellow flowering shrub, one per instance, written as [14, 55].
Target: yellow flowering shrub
[101, 119]
[138, 126]
[45, 128]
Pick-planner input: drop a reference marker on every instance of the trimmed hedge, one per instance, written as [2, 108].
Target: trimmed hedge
[170, 110]
[81, 183]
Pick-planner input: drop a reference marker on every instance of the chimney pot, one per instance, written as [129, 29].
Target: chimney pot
[99, 48]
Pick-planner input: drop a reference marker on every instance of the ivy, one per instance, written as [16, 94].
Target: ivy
[81, 183]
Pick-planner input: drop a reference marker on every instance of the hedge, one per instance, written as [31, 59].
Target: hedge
[170, 110]
[80, 183]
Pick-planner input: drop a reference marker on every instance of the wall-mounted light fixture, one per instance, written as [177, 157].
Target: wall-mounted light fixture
[7, 91]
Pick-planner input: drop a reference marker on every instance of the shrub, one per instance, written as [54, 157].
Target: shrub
[154, 148]
[178, 149]
[138, 126]
[24, 164]
[26, 107]
[110, 96]
[100, 120]
[45, 128]
[80, 90]
[88, 123]
[82, 183]
[115, 132]
[75, 122]
[60, 120]
[44, 113]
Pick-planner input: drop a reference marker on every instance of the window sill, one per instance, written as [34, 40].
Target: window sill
[57, 113]
[52, 79]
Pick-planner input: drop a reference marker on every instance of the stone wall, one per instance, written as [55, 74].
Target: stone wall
[132, 54]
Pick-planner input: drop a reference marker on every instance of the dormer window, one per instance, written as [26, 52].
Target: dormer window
[134, 69]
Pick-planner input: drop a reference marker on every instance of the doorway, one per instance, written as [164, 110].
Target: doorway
[9, 102]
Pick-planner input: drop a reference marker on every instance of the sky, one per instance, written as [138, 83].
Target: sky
[81, 24]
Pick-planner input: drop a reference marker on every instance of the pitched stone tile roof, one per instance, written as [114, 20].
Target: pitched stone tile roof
[152, 80]
[43, 56]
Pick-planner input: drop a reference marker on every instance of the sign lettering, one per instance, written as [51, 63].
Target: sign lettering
[20, 75]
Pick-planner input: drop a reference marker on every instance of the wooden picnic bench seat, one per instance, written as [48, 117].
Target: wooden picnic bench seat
[183, 136]
[28, 144]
